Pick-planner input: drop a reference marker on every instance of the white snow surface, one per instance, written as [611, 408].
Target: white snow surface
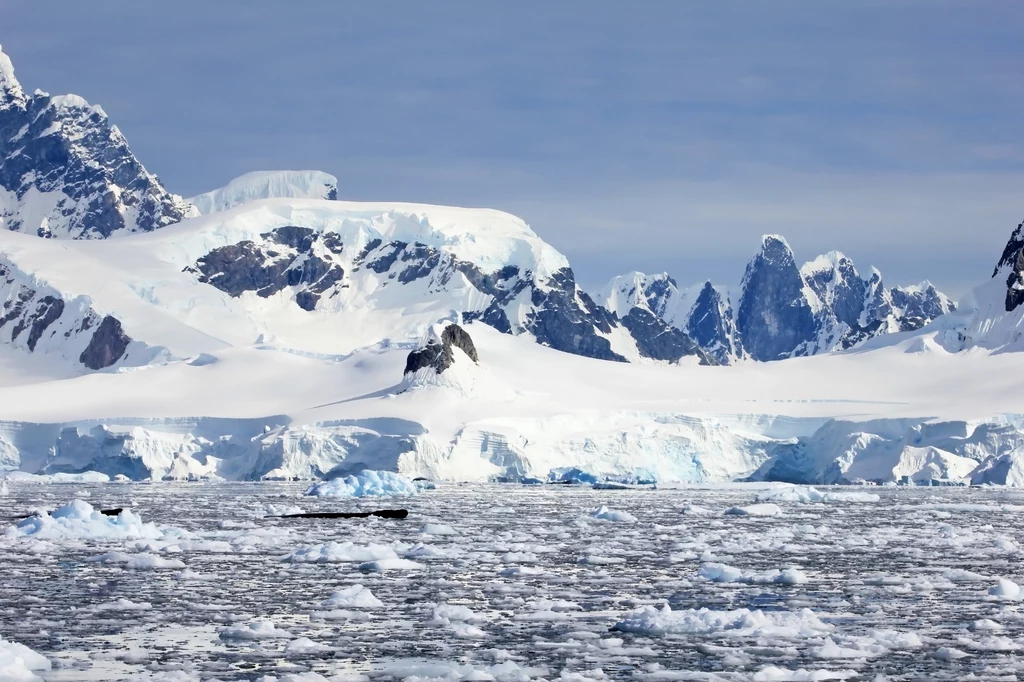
[250, 387]
[284, 184]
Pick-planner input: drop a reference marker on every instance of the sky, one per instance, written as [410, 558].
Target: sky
[653, 136]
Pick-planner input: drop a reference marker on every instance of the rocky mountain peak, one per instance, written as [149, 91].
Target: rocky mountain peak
[68, 172]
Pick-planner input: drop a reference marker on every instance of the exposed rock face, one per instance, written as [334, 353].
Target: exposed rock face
[315, 268]
[710, 324]
[1012, 261]
[773, 317]
[438, 353]
[66, 171]
[37, 318]
[108, 344]
[783, 311]
[658, 340]
[286, 259]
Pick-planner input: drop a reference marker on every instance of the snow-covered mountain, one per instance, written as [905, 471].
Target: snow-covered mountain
[287, 334]
[66, 171]
[781, 310]
[990, 317]
[267, 185]
[320, 276]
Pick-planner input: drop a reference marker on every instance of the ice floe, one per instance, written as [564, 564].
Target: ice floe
[365, 484]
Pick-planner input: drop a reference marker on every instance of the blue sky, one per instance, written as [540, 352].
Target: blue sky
[658, 136]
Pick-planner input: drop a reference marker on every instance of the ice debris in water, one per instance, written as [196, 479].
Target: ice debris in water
[1006, 589]
[722, 573]
[805, 495]
[79, 520]
[365, 484]
[18, 663]
[261, 628]
[353, 597]
[606, 514]
[740, 622]
[764, 509]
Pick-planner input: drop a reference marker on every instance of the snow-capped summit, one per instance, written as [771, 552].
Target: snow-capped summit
[782, 310]
[285, 184]
[11, 94]
[66, 171]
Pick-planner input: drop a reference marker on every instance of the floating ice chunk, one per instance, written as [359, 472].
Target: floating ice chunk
[18, 663]
[806, 495]
[721, 573]
[395, 564]
[696, 510]
[340, 552]
[355, 597]
[772, 673]
[143, 561]
[606, 514]
[438, 529]
[282, 510]
[1006, 589]
[830, 650]
[959, 575]
[984, 625]
[83, 477]
[446, 614]
[365, 484]
[741, 622]
[123, 605]
[514, 571]
[189, 575]
[260, 628]
[764, 509]
[80, 521]
[304, 646]
[950, 654]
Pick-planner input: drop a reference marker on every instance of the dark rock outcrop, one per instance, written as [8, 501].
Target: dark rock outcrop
[710, 325]
[439, 354]
[657, 340]
[1013, 261]
[108, 344]
[267, 269]
[774, 317]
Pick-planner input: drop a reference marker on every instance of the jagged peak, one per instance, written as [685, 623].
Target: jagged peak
[826, 261]
[10, 89]
[775, 249]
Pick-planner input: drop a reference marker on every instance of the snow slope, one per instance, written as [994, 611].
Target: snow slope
[277, 412]
[267, 185]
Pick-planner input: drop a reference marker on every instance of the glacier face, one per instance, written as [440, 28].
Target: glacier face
[66, 171]
[781, 310]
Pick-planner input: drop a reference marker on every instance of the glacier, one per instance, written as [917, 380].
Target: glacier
[260, 331]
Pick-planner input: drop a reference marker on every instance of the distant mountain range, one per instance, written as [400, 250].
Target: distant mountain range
[66, 172]
[780, 310]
